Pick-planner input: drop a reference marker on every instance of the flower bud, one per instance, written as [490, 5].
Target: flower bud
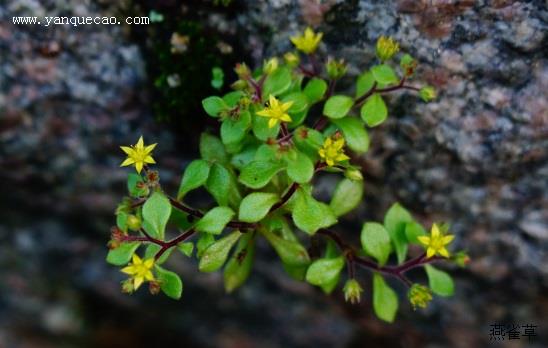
[270, 65]
[242, 71]
[352, 291]
[291, 59]
[408, 64]
[335, 68]
[154, 287]
[461, 259]
[239, 85]
[153, 177]
[419, 296]
[387, 47]
[427, 93]
[353, 174]
[133, 222]
[127, 286]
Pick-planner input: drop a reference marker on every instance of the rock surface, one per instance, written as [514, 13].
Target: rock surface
[477, 156]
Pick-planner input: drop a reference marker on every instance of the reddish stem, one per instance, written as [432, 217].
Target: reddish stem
[395, 271]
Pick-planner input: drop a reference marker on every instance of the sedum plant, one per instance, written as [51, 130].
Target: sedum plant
[282, 125]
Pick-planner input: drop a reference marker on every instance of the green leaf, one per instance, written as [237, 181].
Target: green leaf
[222, 185]
[385, 300]
[337, 106]
[203, 243]
[384, 74]
[364, 83]
[348, 194]
[132, 180]
[212, 149]
[246, 155]
[300, 102]
[290, 252]
[412, 231]
[395, 221]
[277, 82]
[215, 220]
[156, 212]
[232, 98]
[376, 241]
[374, 111]
[299, 167]
[196, 174]
[258, 174]
[186, 248]
[216, 254]
[121, 221]
[239, 266]
[256, 205]
[329, 286]
[122, 254]
[315, 89]
[308, 141]
[170, 283]
[310, 215]
[324, 271]
[261, 129]
[354, 133]
[214, 105]
[440, 282]
[233, 131]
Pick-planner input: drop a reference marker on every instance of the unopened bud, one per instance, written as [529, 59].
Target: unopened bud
[419, 296]
[153, 177]
[386, 48]
[133, 222]
[408, 64]
[154, 287]
[461, 259]
[239, 85]
[353, 174]
[336, 68]
[291, 59]
[427, 93]
[352, 291]
[127, 286]
[270, 65]
[242, 71]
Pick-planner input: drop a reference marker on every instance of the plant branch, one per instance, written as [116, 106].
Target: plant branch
[395, 271]
[285, 197]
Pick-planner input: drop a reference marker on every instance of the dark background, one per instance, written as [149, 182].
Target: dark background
[477, 157]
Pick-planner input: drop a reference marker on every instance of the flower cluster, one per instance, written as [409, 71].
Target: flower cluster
[279, 126]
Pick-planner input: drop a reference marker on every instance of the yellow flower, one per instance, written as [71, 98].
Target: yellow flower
[419, 296]
[387, 47]
[138, 154]
[139, 271]
[276, 111]
[308, 42]
[332, 151]
[436, 242]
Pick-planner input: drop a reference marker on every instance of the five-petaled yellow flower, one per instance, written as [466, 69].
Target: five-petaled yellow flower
[138, 154]
[332, 151]
[276, 111]
[387, 47]
[308, 42]
[139, 271]
[436, 242]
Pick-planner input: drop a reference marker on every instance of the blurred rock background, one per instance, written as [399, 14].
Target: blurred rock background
[478, 157]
